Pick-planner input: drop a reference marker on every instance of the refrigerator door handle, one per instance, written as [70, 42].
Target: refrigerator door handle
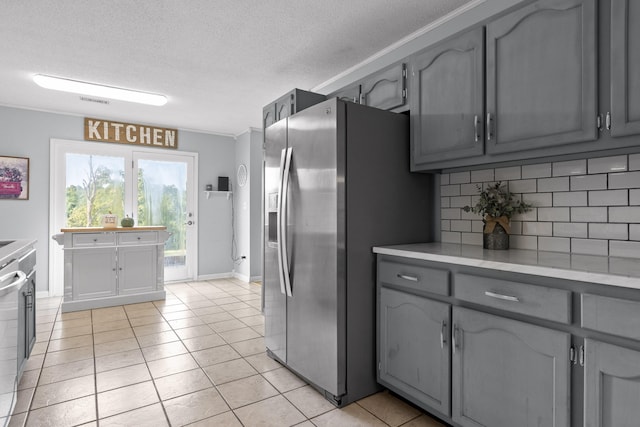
[283, 221]
[279, 214]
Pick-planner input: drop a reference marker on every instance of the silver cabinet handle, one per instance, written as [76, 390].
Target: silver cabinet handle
[443, 327]
[405, 277]
[502, 296]
[454, 332]
[607, 120]
[476, 124]
[489, 126]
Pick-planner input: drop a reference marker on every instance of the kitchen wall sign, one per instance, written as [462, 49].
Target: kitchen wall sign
[129, 133]
[14, 178]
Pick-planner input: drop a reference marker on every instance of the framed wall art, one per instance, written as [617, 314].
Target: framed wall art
[14, 178]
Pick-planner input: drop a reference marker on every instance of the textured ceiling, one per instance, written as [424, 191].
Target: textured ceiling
[218, 61]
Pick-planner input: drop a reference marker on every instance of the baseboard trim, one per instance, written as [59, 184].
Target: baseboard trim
[215, 276]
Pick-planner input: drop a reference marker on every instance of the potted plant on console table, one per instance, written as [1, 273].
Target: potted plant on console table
[496, 205]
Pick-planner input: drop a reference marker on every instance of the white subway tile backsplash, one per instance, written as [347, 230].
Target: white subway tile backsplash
[477, 226]
[624, 214]
[523, 242]
[607, 164]
[460, 201]
[523, 186]
[460, 225]
[570, 198]
[591, 214]
[553, 214]
[570, 229]
[624, 180]
[484, 175]
[538, 199]
[581, 208]
[624, 249]
[541, 170]
[449, 190]
[469, 189]
[553, 184]
[460, 177]
[510, 173]
[472, 239]
[450, 213]
[589, 182]
[608, 198]
[554, 244]
[608, 231]
[537, 228]
[590, 247]
[451, 237]
[590, 263]
[573, 167]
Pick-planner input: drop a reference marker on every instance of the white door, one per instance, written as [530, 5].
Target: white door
[155, 188]
[164, 195]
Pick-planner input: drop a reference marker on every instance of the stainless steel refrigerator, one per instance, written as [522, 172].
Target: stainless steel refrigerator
[337, 183]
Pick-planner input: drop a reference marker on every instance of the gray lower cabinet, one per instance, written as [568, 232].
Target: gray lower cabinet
[447, 101]
[542, 76]
[508, 373]
[625, 68]
[414, 349]
[612, 385]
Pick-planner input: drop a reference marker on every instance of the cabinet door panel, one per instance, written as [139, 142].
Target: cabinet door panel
[625, 67]
[541, 76]
[351, 94]
[386, 89]
[413, 358]
[447, 100]
[136, 269]
[612, 385]
[93, 273]
[508, 373]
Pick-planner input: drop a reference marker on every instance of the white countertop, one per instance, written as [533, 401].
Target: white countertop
[623, 272]
[13, 249]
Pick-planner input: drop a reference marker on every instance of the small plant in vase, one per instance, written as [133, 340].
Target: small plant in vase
[497, 205]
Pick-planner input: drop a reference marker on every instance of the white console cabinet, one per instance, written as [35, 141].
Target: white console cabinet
[112, 266]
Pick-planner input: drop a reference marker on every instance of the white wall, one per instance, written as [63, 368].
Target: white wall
[248, 206]
[26, 133]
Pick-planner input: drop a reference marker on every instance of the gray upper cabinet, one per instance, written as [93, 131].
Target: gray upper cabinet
[351, 94]
[386, 89]
[541, 76]
[625, 68]
[446, 85]
[289, 104]
[414, 349]
[612, 385]
[508, 373]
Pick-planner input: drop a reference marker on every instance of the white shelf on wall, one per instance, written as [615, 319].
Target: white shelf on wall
[209, 193]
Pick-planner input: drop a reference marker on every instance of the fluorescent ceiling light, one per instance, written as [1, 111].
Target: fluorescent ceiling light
[84, 88]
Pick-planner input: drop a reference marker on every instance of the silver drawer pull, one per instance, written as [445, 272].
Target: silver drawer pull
[502, 296]
[405, 277]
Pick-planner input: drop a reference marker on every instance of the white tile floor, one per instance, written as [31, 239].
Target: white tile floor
[198, 358]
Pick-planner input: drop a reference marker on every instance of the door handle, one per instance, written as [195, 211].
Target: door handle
[443, 328]
[489, 121]
[279, 214]
[283, 219]
[502, 296]
[476, 125]
[189, 222]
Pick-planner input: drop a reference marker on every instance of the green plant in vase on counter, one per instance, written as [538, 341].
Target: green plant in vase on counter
[497, 205]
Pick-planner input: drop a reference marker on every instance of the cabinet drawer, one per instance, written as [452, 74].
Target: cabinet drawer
[414, 277]
[523, 298]
[94, 239]
[611, 315]
[133, 238]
